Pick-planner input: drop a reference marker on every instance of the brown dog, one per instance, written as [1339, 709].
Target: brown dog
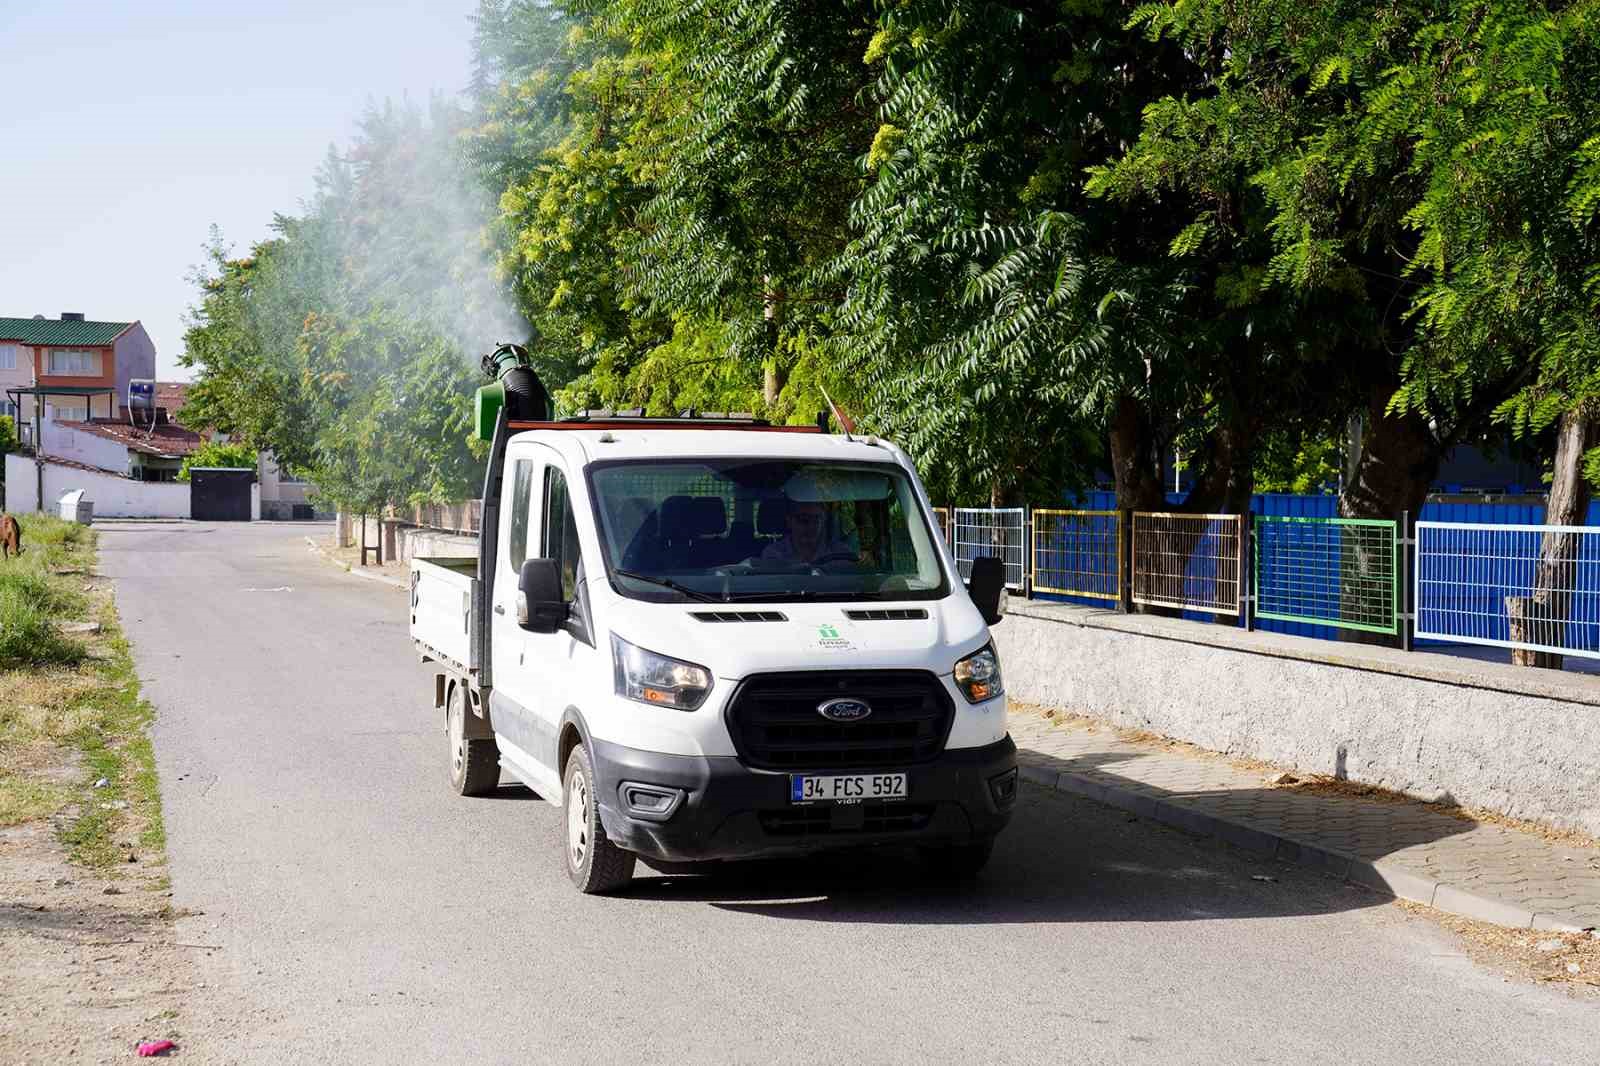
[10, 537]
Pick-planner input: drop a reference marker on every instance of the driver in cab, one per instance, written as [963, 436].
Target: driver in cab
[805, 541]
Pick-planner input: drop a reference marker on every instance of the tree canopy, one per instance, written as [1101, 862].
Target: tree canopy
[1031, 241]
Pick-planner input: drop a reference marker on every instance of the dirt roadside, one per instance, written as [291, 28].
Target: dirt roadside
[90, 966]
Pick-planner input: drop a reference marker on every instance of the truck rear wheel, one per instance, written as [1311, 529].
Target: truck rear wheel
[474, 764]
[593, 862]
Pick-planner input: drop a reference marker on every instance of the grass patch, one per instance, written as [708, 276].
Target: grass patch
[35, 598]
[26, 799]
[72, 711]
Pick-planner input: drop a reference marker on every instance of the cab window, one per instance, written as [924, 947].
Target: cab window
[560, 530]
[521, 494]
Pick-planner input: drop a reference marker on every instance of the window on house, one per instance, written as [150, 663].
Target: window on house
[9, 355]
[70, 362]
[66, 412]
[8, 410]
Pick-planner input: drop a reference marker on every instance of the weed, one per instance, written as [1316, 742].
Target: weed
[65, 707]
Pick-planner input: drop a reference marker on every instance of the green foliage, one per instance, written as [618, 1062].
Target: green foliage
[1289, 461]
[33, 601]
[347, 343]
[1027, 239]
[1424, 170]
[219, 454]
[8, 438]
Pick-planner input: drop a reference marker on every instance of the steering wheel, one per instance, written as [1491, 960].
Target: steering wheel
[834, 557]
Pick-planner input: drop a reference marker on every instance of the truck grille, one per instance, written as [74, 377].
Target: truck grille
[774, 722]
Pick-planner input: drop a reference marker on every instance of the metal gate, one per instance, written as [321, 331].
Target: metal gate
[220, 494]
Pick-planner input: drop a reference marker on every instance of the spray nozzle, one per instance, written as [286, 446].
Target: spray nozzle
[504, 358]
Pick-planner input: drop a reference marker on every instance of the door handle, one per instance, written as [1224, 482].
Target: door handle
[499, 608]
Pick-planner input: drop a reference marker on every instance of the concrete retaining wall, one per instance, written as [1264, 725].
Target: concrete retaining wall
[1523, 742]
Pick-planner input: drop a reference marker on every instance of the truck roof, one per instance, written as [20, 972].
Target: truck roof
[589, 444]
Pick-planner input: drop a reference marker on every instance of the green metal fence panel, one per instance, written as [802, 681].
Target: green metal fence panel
[1342, 572]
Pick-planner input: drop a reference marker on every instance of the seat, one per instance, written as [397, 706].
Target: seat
[691, 530]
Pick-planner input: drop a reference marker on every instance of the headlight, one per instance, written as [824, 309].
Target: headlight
[978, 675]
[657, 680]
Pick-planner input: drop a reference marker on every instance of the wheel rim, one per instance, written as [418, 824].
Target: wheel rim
[577, 820]
[458, 740]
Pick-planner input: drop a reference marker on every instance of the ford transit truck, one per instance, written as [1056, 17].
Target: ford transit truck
[713, 638]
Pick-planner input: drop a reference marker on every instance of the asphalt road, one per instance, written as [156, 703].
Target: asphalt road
[362, 913]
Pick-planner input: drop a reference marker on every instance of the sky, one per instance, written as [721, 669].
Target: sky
[131, 128]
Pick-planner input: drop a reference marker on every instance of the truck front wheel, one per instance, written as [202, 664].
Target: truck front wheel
[474, 764]
[593, 862]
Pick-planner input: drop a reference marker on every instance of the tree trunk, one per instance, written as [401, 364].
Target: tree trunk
[1397, 459]
[1540, 618]
[1133, 460]
[774, 376]
[1132, 448]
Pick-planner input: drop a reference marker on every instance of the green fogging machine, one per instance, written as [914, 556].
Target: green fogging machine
[515, 388]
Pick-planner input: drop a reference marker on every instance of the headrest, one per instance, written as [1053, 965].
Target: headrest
[686, 517]
[770, 514]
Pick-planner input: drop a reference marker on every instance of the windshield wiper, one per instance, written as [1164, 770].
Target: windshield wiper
[668, 583]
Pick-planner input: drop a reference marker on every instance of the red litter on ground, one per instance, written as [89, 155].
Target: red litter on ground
[151, 1048]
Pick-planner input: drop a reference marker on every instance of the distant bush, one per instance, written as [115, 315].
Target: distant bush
[213, 453]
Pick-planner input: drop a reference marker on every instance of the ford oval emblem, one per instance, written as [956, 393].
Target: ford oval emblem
[844, 710]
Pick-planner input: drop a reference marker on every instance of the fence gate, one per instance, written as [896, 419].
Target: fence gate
[1480, 584]
[1342, 572]
[997, 531]
[1078, 553]
[1187, 561]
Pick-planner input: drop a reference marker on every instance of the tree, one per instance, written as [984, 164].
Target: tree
[346, 344]
[1411, 166]
[219, 454]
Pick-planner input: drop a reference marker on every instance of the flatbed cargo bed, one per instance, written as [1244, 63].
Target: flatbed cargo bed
[445, 608]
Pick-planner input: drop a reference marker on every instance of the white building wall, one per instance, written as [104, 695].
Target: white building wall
[114, 497]
[278, 495]
[62, 442]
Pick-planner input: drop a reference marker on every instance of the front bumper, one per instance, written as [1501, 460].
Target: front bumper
[718, 808]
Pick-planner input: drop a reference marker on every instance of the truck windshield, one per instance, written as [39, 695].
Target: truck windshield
[770, 530]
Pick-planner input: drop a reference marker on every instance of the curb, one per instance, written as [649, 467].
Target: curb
[1388, 878]
[354, 571]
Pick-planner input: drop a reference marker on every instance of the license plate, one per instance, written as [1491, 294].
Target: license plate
[846, 788]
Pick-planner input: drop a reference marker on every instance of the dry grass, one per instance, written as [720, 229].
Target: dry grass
[1321, 784]
[66, 725]
[1529, 954]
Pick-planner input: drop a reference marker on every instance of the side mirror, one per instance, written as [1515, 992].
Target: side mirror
[540, 605]
[986, 583]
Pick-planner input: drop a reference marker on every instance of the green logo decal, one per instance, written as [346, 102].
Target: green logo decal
[827, 632]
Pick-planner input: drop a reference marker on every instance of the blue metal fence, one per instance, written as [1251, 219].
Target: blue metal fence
[1297, 506]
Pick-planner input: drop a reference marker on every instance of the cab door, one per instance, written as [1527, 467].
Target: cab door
[564, 661]
[514, 700]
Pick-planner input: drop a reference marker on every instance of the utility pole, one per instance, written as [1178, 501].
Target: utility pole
[38, 432]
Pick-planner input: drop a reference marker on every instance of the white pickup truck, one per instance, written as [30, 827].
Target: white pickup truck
[715, 639]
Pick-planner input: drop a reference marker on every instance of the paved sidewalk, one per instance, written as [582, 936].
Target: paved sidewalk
[1397, 846]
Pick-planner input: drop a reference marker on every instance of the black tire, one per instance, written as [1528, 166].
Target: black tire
[957, 862]
[474, 764]
[592, 861]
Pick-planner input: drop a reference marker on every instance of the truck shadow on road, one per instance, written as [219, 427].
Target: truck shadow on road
[1069, 858]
